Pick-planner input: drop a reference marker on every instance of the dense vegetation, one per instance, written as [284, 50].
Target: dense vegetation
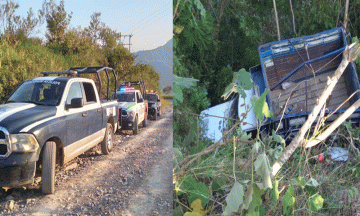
[23, 57]
[212, 40]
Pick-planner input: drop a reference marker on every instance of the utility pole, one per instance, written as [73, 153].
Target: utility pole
[129, 41]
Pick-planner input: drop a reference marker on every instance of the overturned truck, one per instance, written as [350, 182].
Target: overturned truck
[296, 71]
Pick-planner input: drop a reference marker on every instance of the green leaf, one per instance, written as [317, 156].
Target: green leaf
[234, 199]
[278, 138]
[312, 183]
[183, 82]
[178, 211]
[195, 190]
[262, 168]
[288, 201]
[256, 199]
[200, 7]
[275, 192]
[261, 108]
[256, 147]
[241, 82]
[300, 181]
[315, 203]
[216, 185]
[179, 84]
[177, 95]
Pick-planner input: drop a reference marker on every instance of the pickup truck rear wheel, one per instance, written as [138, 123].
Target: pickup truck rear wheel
[48, 168]
[144, 123]
[107, 143]
[136, 127]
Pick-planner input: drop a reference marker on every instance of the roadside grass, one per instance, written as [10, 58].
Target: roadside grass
[167, 96]
[336, 182]
[164, 102]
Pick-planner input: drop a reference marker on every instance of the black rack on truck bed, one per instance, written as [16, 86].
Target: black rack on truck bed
[78, 71]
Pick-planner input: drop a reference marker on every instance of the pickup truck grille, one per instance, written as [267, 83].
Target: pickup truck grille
[3, 149]
[4, 143]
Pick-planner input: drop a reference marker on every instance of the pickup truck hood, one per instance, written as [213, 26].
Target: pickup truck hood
[16, 116]
[126, 105]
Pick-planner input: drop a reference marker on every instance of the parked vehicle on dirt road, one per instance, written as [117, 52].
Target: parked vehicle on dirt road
[154, 105]
[133, 108]
[51, 120]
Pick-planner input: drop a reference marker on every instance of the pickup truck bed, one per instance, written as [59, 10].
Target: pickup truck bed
[299, 68]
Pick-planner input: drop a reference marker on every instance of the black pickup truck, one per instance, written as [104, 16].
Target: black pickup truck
[51, 120]
[154, 105]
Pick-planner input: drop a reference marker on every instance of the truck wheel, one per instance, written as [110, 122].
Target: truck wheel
[155, 116]
[48, 168]
[107, 143]
[144, 123]
[135, 130]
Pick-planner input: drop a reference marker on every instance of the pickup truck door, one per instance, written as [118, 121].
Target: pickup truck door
[140, 106]
[94, 110]
[76, 118]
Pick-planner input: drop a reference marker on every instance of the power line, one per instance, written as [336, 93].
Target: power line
[149, 20]
[130, 35]
[154, 20]
[136, 25]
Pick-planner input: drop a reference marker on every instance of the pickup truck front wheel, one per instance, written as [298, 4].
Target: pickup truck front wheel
[48, 168]
[136, 126]
[144, 123]
[107, 143]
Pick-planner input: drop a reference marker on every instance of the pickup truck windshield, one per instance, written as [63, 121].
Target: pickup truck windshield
[41, 92]
[126, 97]
[151, 97]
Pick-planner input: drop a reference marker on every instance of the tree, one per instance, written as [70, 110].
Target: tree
[167, 89]
[95, 27]
[57, 20]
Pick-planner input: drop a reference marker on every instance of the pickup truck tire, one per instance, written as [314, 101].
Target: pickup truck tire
[144, 123]
[136, 126]
[155, 116]
[48, 168]
[108, 142]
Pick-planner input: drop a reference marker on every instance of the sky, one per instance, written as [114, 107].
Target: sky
[150, 22]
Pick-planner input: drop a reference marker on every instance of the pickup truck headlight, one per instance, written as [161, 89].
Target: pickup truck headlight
[23, 143]
[130, 113]
[153, 105]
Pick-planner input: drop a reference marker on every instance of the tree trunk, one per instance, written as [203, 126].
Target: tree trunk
[277, 21]
[293, 16]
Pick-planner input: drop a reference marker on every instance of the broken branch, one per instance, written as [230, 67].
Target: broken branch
[321, 137]
[350, 54]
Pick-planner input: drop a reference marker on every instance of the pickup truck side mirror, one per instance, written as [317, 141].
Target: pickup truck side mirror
[75, 103]
[158, 100]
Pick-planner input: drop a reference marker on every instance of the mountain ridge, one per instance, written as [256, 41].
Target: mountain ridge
[161, 58]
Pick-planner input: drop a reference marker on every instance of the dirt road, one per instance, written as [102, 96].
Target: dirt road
[135, 179]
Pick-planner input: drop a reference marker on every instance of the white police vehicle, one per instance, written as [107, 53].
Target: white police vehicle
[50, 120]
[132, 108]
